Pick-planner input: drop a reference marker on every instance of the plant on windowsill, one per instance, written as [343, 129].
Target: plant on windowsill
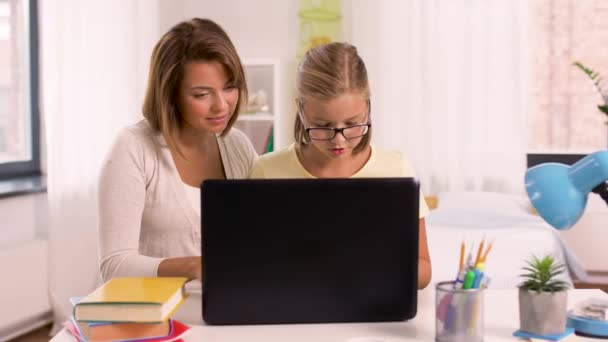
[595, 78]
[543, 297]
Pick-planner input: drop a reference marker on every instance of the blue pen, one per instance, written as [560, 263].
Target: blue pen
[478, 275]
[460, 279]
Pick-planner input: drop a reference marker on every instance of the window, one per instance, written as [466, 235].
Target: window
[564, 117]
[19, 116]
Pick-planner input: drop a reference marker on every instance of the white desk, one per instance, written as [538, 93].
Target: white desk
[501, 319]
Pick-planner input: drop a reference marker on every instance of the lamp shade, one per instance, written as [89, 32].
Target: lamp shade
[559, 192]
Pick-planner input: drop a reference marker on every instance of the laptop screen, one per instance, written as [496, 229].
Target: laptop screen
[309, 250]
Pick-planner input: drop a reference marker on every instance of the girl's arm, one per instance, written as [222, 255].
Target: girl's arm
[424, 260]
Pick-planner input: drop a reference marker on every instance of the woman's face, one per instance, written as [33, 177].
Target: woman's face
[206, 99]
[348, 110]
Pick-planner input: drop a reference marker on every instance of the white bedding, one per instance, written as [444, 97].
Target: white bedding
[506, 219]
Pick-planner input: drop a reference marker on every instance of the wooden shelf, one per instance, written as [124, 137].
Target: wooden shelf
[582, 285]
[261, 127]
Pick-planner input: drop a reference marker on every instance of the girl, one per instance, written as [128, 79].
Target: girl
[333, 131]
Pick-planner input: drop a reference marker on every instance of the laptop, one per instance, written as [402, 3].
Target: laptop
[278, 251]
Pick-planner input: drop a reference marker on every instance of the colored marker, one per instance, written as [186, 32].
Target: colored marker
[469, 280]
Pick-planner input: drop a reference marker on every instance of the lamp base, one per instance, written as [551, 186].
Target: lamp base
[587, 326]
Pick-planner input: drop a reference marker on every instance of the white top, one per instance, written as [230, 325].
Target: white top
[501, 319]
[194, 196]
[145, 213]
[381, 163]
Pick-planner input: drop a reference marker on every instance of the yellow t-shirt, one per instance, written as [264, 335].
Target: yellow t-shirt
[285, 164]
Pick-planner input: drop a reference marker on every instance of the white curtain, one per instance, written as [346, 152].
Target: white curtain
[448, 81]
[94, 60]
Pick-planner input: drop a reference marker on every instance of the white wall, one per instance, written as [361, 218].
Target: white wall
[258, 29]
[269, 29]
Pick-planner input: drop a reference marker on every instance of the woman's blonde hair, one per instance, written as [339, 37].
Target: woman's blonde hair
[327, 72]
[192, 40]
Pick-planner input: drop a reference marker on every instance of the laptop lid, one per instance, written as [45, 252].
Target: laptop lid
[309, 250]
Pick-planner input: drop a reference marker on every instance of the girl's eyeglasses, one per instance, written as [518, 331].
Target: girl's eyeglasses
[328, 133]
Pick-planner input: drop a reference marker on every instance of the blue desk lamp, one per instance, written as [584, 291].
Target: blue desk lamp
[559, 192]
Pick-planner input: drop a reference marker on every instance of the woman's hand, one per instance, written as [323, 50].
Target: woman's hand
[189, 267]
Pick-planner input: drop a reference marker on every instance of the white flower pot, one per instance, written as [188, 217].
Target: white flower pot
[543, 313]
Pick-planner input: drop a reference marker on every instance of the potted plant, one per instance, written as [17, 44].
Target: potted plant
[543, 298]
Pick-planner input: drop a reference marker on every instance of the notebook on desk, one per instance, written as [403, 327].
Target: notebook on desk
[309, 250]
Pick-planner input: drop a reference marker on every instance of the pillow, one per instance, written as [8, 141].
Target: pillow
[484, 201]
[483, 210]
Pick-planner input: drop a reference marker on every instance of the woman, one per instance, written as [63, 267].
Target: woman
[149, 201]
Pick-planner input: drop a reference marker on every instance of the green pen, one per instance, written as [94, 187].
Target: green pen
[469, 279]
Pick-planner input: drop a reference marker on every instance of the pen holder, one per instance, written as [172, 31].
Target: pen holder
[458, 313]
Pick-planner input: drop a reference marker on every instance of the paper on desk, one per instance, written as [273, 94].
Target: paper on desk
[593, 308]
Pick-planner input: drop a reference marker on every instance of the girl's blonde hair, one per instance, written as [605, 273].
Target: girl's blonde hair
[327, 72]
[193, 40]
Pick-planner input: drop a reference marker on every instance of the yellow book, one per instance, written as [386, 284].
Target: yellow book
[133, 299]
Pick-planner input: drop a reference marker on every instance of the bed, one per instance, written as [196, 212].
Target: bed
[508, 220]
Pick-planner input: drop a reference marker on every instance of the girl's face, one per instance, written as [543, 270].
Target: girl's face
[206, 99]
[348, 111]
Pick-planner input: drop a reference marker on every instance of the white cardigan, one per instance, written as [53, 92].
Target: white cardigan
[144, 211]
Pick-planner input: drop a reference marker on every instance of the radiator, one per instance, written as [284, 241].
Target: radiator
[24, 302]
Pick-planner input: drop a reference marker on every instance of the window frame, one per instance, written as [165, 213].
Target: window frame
[30, 167]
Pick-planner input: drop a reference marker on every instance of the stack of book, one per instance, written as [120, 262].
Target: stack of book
[130, 309]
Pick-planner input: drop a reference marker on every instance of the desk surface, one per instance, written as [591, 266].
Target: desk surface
[501, 320]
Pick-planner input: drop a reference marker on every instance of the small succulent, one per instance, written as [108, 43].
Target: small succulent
[595, 77]
[541, 276]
